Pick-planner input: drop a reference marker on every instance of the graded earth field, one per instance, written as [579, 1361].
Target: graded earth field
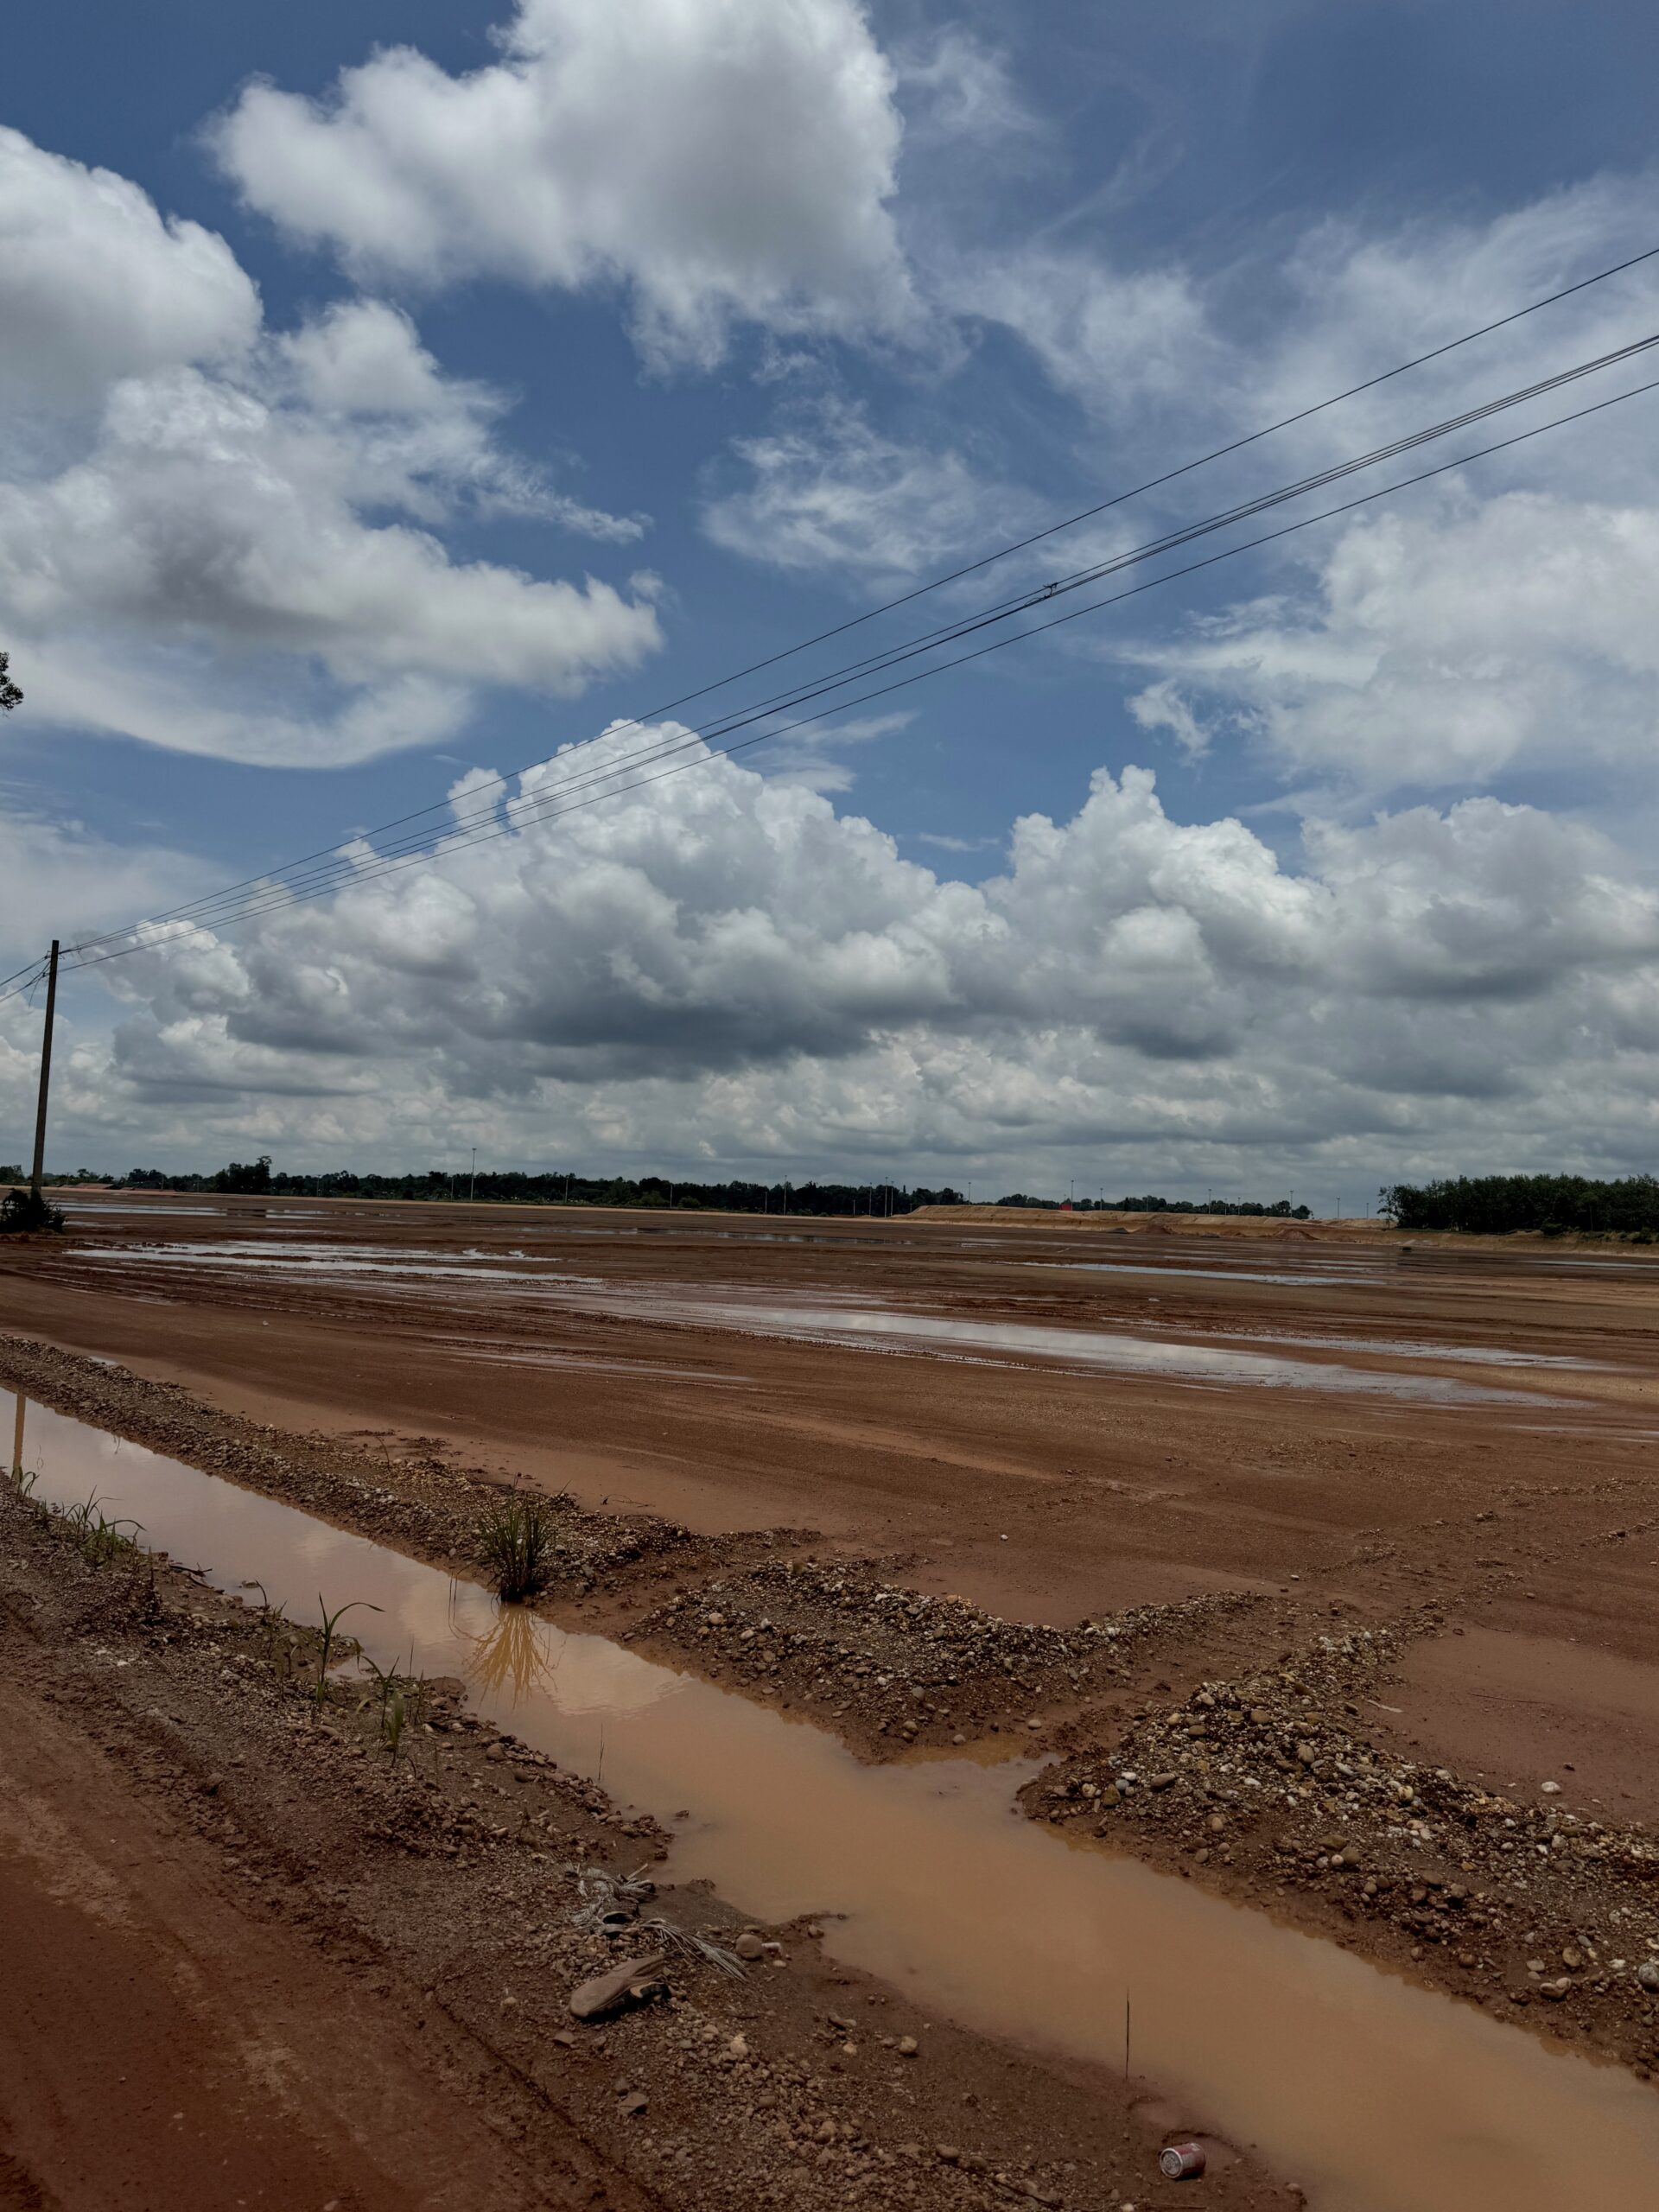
[1313, 1567]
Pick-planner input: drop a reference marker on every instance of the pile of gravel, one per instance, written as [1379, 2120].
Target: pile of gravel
[906, 1665]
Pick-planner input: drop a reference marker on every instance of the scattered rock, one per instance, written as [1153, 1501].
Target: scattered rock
[901, 1665]
[1275, 1778]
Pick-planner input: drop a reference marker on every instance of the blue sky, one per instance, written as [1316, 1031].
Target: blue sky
[369, 429]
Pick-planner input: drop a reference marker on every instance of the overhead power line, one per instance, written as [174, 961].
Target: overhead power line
[330, 853]
[341, 870]
[34, 968]
[35, 976]
[544, 806]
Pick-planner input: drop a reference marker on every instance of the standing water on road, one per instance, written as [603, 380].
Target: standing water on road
[1376, 2095]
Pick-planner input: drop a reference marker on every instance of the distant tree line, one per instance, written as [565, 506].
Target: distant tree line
[257, 1179]
[1552, 1205]
[1484, 1204]
[1280, 1207]
[14, 1173]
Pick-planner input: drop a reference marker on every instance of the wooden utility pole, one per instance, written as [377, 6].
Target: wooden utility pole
[45, 1069]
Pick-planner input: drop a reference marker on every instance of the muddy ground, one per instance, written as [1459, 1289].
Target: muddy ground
[1386, 1662]
[264, 1949]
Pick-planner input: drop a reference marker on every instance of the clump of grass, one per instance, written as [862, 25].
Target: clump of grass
[97, 1537]
[324, 1657]
[393, 1721]
[277, 1637]
[516, 1539]
[401, 1698]
[276, 1645]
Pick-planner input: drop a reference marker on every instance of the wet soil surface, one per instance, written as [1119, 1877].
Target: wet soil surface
[913, 1547]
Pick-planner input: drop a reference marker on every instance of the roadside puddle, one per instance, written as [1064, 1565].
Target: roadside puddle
[1375, 2094]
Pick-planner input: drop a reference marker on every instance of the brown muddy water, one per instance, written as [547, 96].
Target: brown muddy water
[1375, 2094]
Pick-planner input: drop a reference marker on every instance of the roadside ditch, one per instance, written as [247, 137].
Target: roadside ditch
[915, 1854]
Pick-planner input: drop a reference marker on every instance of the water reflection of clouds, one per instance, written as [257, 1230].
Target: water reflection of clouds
[842, 1317]
[1115, 1350]
[300, 1260]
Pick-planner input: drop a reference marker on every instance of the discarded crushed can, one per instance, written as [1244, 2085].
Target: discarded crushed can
[1181, 2160]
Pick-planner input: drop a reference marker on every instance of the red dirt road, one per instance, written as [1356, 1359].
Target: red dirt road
[160, 2045]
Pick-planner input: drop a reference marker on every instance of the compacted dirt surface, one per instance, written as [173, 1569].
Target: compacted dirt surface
[1318, 1566]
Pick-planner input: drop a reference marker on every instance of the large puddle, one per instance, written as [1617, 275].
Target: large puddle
[107, 1207]
[1117, 1350]
[1415, 1348]
[477, 1279]
[1334, 1274]
[1376, 2095]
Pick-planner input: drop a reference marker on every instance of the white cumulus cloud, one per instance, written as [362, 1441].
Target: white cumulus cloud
[719, 160]
[1492, 625]
[230, 542]
[728, 968]
[1441, 649]
[99, 285]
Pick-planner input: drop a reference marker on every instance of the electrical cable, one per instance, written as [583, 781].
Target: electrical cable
[28, 968]
[339, 870]
[531, 808]
[545, 809]
[955, 575]
[21, 990]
